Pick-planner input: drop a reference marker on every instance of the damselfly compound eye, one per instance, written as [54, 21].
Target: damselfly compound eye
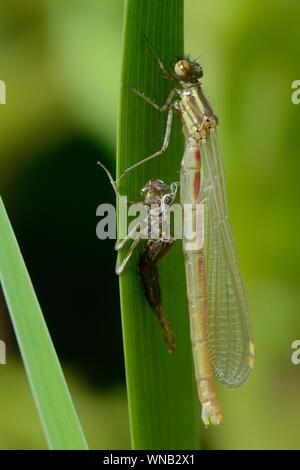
[182, 68]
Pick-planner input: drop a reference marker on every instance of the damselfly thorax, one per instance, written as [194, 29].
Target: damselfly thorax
[194, 120]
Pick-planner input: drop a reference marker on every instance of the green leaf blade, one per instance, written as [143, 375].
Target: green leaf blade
[163, 407]
[56, 410]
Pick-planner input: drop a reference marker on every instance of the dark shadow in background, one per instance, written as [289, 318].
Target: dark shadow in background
[53, 212]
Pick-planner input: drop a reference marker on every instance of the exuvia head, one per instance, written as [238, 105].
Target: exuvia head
[187, 70]
[157, 192]
[155, 186]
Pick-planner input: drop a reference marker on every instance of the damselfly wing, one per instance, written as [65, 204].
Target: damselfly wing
[230, 340]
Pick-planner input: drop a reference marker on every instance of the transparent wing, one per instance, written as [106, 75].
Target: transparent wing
[229, 331]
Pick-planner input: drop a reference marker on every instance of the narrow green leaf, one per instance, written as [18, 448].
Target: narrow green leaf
[164, 411]
[52, 398]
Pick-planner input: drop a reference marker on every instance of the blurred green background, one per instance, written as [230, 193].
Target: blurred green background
[60, 60]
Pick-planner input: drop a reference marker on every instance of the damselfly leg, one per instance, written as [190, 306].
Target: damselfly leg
[156, 154]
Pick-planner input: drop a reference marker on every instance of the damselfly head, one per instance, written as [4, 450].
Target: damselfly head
[186, 70]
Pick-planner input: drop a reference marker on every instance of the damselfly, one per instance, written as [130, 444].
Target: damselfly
[220, 328]
[158, 197]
